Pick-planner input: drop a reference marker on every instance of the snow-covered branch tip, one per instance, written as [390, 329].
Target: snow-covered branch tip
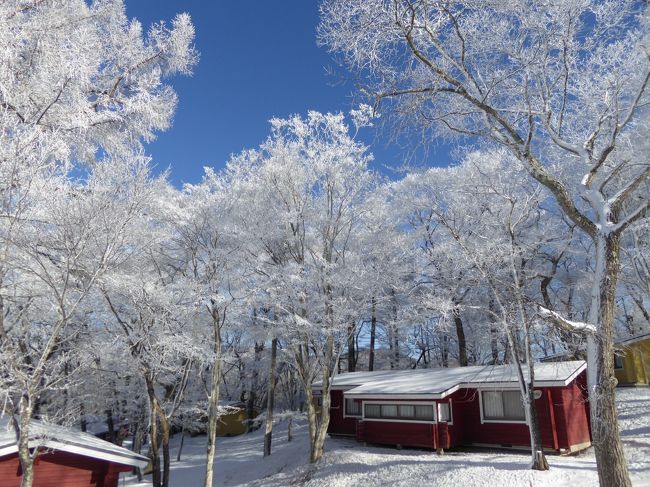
[558, 320]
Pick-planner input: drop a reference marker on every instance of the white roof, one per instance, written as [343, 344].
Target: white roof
[632, 339]
[439, 383]
[64, 439]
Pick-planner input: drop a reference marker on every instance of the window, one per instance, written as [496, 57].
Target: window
[352, 407]
[618, 361]
[407, 411]
[389, 410]
[424, 412]
[401, 412]
[503, 405]
[373, 410]
[444, 412]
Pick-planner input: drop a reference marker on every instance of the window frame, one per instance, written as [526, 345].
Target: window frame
[619, 361]
[500, 420]
[451, 414]
[345, 408]
[396, 419]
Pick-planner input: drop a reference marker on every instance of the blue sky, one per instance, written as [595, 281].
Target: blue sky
[259, 59]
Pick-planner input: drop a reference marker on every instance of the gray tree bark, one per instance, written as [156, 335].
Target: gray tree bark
[270, 398]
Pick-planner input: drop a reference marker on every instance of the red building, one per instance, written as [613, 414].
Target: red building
[444, 408]
[69, 458]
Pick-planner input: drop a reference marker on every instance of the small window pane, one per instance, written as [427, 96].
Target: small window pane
[513, 408]
[492, 405]
[424, 412]
[372, 411]
[389, 410]
[352, 408]
[618, 361]
[406, 411]
[445, 415]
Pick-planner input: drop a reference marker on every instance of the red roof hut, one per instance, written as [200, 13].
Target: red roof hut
[444, 408]
[69, 458]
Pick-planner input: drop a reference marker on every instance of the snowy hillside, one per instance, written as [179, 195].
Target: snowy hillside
[239, 460]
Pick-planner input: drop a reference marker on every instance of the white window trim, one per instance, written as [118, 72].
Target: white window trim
[451, 412]
[400, 403]
[345, 409]
[510, 421]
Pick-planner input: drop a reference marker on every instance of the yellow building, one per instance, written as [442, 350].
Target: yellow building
[233, 420]
[632, 360]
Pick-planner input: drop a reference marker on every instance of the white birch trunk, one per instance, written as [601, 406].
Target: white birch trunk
[213, 400]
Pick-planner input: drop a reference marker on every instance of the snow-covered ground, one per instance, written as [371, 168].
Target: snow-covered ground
[239, 460]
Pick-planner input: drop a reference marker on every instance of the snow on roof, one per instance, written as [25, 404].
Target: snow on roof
[439, 383]
[64, 439]
[633, 339]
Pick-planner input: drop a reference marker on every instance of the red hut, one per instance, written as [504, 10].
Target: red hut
[69, 458]
[444, 408]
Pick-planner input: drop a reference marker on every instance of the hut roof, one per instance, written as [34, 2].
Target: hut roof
[439, 383]
[57, 437]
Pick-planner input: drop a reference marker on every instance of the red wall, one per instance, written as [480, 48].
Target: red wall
[62, 469]
[466, 407]
[338, 424]
[391, 433]
[562, 413]
[572, 413]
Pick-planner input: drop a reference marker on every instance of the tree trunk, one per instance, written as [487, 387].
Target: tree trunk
[252, 392]
[538, 458]
[494, 337]
[395, 328]
[352, 355]
[460, 332]
[318, 439]
[83, 422]
[270, 399]
[213, 400]
[137, 446]
[444, 350]
[164, 433]
[22, 433]
[373, 333]
[610, 459]
[180, 447]
[110, 436]
[154, 446]
[527, 388]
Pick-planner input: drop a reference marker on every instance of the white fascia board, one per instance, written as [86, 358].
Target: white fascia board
[450, 391]
[133, 460]
[8, 449]
[319, 390]
[399, 396]
[575, 374]
[394, 397]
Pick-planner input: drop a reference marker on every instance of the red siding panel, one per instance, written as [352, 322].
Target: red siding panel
[391, 433]
[61, 469]
[338, 424]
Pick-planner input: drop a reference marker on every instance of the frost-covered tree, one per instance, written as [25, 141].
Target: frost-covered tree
[65, 238]
[305, 189]
[207, 240]
[80, 88]
[149, 305]
[469, 203]
[563, 86]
